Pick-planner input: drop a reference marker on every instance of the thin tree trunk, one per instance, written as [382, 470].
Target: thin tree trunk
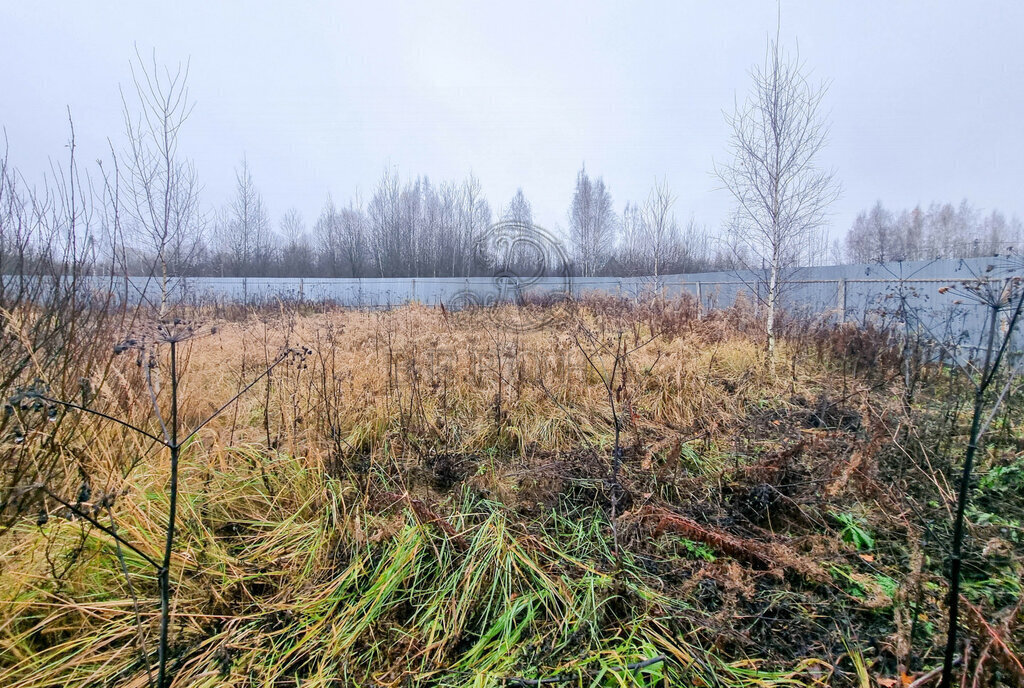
[962, 497]
[773, 287]
[165, 588]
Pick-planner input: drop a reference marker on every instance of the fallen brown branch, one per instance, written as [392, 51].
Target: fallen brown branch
[745, 550]
[774, 557]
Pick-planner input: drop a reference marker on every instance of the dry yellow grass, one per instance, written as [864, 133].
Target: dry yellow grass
[458, 380]
[288, 566]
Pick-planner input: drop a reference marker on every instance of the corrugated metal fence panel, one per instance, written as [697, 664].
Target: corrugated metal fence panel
[857, 293]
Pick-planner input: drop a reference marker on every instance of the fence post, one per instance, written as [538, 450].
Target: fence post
[1006, 293]
[700, 300]
[841, 299]
[302, 290]
[413, 300]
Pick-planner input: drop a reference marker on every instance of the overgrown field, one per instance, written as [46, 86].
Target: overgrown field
[426, 498]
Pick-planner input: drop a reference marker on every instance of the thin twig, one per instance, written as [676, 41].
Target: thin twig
[930, 676]
[233, 399]
[105, 416]
[82, 514]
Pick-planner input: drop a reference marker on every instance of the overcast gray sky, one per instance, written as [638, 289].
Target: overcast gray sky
[926, 98]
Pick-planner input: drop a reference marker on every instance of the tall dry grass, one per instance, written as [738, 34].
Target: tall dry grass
[418, 376]
[362, 516]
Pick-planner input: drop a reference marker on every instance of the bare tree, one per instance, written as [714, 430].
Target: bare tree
[518, 209]
[163, 188]
[416, 228]
[328, 239]
[948, 229]
[386, 225]
[631, 239]
[781, 194]
[692, 252]
[408, 240]
[342, 237]
[661, 232]
[873, 237]
[444, 223]
[911, 229]
[943, 231]
[474, 217]
[248, 238]
[520, 212]
[296, 252]
[592, 224]
[353, 238]
[999, 235]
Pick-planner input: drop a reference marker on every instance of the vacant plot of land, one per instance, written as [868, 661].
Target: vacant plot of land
[418, 497]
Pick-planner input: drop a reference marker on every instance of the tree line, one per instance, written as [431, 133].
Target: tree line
[938, 231]
[420, 228]
[148, 217]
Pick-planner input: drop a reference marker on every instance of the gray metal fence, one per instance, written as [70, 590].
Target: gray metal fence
[855, 293]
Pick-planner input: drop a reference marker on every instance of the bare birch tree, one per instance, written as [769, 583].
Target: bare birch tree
[781, 194]
[163, 198]
[352, 222]
[520, 212]
[631, 239]
[661, 232]
[386, 225]
[474, 216]
[329, 240]
[296, 257]
[592, 224]
[249, 240]
[873, 237]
